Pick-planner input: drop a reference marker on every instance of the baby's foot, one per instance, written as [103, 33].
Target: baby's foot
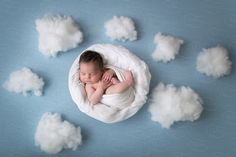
[129, 78]
[114, 80]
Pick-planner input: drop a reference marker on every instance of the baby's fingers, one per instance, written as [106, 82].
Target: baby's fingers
[104, 78]
[107, 78]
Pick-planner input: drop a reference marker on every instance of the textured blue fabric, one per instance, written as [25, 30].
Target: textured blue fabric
[201, 24]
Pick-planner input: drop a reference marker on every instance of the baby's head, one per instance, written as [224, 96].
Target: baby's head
[91, 67]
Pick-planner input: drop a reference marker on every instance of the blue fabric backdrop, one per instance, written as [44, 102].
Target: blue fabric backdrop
[201, 24]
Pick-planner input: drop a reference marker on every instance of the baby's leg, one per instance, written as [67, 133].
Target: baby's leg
[129, 79]
[121, 86]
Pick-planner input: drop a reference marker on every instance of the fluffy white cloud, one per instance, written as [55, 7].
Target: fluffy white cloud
[170, 104]
[23, 81]
[57, 33]
[121, 28]
[167, 47]
[53, 134]
[214, 62]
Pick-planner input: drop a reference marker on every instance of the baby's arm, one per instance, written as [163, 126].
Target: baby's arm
[95, 95]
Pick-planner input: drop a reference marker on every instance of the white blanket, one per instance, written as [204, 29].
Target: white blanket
[116, 107]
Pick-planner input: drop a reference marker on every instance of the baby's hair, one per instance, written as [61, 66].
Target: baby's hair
[92, 56]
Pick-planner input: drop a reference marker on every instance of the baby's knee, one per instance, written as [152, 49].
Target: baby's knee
[114, 80]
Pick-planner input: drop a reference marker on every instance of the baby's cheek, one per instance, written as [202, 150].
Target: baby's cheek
[81, 78]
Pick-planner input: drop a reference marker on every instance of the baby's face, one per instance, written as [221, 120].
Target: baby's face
[89, 73]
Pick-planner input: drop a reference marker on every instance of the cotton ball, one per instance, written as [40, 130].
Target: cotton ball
[214, 62]
[57, 33]
[53, 134]
[167, 47]
[171, 104]
[23, 81]
[121, 28]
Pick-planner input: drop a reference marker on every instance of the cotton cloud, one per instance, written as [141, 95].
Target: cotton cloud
[57, 33]
[167, 47]
[214, 62]
[170, 104]
[53, 134]
[23, 81]
[121, 28]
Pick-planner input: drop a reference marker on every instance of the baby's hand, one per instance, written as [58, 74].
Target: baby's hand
[104, 84]
[107, 76]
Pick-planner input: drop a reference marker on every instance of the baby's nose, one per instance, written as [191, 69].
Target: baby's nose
[89, 76]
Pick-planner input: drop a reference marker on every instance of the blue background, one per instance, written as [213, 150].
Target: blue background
[201, 24]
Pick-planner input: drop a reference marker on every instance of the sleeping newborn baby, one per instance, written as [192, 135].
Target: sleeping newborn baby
[99, 80]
